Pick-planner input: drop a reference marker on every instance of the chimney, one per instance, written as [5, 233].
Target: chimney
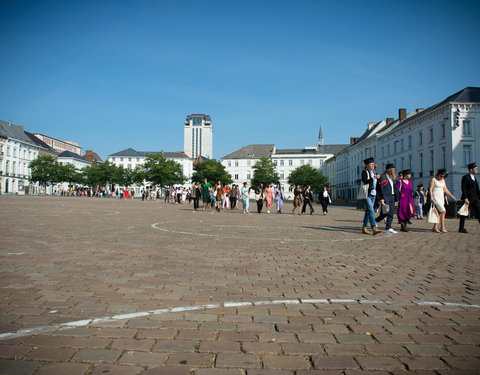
[402, 114]
[388, 120]
[419, 110]
[370, 125]
[353, 140]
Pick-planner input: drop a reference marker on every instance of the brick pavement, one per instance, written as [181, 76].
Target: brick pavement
[319, 297]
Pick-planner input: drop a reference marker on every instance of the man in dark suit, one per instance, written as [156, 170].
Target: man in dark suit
[387, 193]
[470, 194]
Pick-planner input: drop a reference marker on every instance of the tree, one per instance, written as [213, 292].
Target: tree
[100, 175]
[213, 170]
[44, 169]
[308, 175]
[68, 173]
[264, 173]
[161, 171]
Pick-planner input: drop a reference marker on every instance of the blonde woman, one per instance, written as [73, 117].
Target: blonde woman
[438, 191]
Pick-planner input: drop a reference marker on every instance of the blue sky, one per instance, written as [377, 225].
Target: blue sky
[117, 74]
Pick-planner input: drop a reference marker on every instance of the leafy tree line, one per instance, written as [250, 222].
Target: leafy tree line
[163, 172]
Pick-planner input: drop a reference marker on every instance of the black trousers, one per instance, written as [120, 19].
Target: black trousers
[475, 206]
[233, 202]
[259, 206]
[388, 215]
[305, 202]
[325, 205]
[196, 202]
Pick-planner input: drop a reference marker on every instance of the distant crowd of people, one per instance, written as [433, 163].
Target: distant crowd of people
[384, 193]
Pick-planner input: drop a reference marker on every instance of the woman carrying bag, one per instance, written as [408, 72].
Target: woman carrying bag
[438, 191]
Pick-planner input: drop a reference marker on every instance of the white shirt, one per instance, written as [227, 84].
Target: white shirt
[391, 184]
[472, 176]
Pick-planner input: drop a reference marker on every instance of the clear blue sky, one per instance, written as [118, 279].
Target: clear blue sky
[119, 74]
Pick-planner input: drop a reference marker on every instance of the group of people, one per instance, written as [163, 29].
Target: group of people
[221, 197]
[387, 193]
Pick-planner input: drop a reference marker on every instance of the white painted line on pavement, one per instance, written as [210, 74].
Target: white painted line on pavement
[87, 322]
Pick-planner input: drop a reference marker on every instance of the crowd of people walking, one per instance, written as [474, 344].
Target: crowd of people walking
[385, 194]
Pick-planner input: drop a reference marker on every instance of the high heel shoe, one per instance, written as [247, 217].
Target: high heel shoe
[435, 230]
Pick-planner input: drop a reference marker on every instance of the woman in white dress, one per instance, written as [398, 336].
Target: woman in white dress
[438, 191]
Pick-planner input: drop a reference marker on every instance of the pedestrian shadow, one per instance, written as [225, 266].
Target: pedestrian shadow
[331, 228]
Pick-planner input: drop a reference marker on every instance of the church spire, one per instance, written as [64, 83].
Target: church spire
[320, 137]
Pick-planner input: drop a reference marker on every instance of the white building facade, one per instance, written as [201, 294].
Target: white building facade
[241, 162]
[445, 135]
[60, 146]
[198, 136]
[131, 159]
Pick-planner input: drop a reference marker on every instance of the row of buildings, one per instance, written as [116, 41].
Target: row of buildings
[423, 140]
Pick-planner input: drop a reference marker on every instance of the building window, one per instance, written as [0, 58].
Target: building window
[113, 159]
[442, 129]
[395, 147]
[388, 150]
[121, 159]
[401, 145]
[430, 134]
[249, 163]
[383, 152]
[236, 177]
[275, 162]
[282, 175]
[420, 138]
[281, 163]
[432, 161]
[309, 162]
[236, 164]
[290, 163]
[409, 142]
[130, 166]
[248, 176]
[467, 128]
[302, 162]
[129, 159]
[467, 154]
[229, 163]
[409, 161]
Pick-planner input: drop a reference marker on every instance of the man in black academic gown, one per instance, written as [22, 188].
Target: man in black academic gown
[470, 194]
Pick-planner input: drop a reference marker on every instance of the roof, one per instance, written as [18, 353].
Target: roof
[71, 143]
[130, 152]
[92, 156]
[70, 154]
[322, 150]
[252, 152]
[39, 142]
[14, 132]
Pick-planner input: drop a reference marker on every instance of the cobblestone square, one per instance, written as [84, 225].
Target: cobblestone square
[91, 285]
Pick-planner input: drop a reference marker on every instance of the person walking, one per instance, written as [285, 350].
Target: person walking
[297, 199]
[405, 203]
[259, 198]
[325, 200]
[470, 195]
[218, 195]
[244, 191]
[269, 197]
[233, 196]
[279, 197]
[388, 197]
[438, 191]
[419, 201]
[196, 195]
[369, 177]
[308, 199]
[206, 187]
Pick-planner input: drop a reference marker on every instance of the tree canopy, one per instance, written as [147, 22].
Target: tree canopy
[213, 170]
[308, 175]
[264, 173]
[44, 169]
[161, 171]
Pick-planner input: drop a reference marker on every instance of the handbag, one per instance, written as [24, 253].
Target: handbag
[362, 192]
[463, 211]
[433, 217]
[384, 208]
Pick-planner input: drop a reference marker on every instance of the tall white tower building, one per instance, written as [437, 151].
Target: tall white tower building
[197, 136]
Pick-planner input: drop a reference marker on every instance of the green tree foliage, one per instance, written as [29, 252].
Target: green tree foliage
[161, 171]
[308, 175]
[213, 170]
[68, 173]
[44, 169]
[100, 175]
[264, 173]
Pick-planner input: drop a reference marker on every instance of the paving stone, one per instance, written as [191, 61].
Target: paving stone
[423, 363]
[318, 338]
[285, 362]
[191, 359]
[175, 346]
[386, 349]
[167, 370]
[131, 344]
[97, 355]
[116, 369]
[425, 350]
[230, 360]
[13, 351]
[142, 358]
[51, 354]
[344, 349]
[464, 363]
[302, 348]
[261, 347]
[354, 338]
[12, 367]
[334, 362]
[63, 368]
[380, 363]
[217, 371]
